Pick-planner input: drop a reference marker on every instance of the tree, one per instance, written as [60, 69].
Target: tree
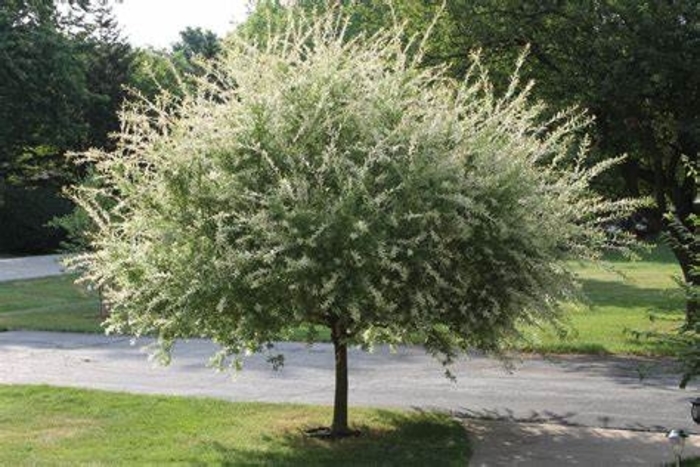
[62, 83]
[197, 42]
[318, 182]
[108, 61]
[42, 90]
[42, 94]
[689, 335]
[153, 73]
[61, 78]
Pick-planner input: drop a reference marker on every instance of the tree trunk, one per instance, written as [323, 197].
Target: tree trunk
[692, 307]
[684, 246]
[630, 174]
[340, 428]
[104, 306]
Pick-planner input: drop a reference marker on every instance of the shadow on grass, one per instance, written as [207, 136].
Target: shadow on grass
[567, 347]
[627, 295]
[411, 439]
[651, 345]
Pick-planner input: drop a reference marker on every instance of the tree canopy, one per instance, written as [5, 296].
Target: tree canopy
[317, 182]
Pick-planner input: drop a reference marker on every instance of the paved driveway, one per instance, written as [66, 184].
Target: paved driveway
[30, 267]
[584, 391]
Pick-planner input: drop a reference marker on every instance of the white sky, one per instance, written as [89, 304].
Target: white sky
[158, 22]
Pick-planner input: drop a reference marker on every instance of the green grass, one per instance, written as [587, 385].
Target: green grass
[634, 296]
[40, 425]
[48, 304]
[619, 302]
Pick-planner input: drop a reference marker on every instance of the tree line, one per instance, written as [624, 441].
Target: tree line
[64, 75]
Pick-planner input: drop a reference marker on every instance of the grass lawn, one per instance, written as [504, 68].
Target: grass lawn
[618, 302]
[638, 295]
[48, 304]
[41, 425]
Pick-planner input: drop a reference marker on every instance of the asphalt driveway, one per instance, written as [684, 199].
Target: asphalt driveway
[30, 267]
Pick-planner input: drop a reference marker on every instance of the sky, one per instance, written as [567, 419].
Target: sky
[157, 23]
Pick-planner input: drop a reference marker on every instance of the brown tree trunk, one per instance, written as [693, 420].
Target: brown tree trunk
[340, 428]
[684, 245]
[692, 307]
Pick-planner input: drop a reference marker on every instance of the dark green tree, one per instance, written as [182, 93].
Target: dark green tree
[108, 60]
[197, 42]
[61, 84]
[42, 91]
[194, 44]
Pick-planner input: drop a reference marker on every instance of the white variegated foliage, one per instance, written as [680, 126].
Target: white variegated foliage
[318, 180]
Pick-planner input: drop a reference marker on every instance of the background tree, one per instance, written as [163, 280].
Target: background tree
[153, 73]
[42, 94]
[42, 90]
[194, 46]
[323, 182]
[61, 83]
[109, 61]
[197, 42]
[689, 337]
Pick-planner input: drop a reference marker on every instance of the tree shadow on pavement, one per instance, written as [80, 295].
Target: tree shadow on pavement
[628, 371]
[549, 417]
[501, 443]
[544, 416]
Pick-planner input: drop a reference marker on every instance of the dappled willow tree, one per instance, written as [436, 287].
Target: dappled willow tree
[332, 183]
